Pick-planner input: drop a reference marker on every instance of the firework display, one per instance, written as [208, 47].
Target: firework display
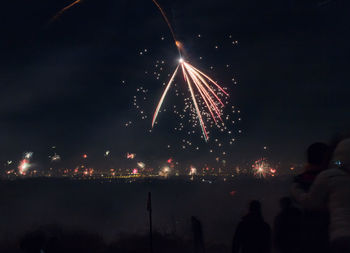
[112, 168]
[205, 105]
[194, 78]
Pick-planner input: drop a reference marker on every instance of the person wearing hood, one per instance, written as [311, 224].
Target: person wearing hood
[314, 223]
[317, 161]
[253, 234]
[331, 191]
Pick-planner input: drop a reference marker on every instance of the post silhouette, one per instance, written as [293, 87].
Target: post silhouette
[149, 209]
[197, 235]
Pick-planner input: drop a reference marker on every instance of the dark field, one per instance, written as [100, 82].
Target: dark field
[114, 209]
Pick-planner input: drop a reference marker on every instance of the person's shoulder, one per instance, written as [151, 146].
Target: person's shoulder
[330, 173]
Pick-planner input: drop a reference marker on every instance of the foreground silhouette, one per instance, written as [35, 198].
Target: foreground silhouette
[288, 228]
[253, 234]
[55, 239]
[315, 236]
[331, 191]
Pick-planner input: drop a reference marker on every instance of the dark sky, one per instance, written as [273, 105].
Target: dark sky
[61, 84]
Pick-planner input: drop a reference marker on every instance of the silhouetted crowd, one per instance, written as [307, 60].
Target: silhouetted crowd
[315, 218]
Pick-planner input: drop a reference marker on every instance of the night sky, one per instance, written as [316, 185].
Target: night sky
[62, 83]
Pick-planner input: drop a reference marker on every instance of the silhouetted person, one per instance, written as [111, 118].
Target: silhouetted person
[197, 235]
[287, 228]
[315, 238]
[33, 242]
[331, 191]
[253, 234]
[317, 161]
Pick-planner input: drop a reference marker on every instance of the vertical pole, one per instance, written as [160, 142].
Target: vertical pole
[149, 208]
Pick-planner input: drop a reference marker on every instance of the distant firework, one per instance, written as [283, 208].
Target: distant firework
[28, 155]
[193, 171]
[165, 171]
[55, 158]
[141, 165]
[130, 155]
[261, 168]
[23, 166]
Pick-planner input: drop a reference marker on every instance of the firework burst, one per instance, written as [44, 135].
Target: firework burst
[198, 84]
[261, 168]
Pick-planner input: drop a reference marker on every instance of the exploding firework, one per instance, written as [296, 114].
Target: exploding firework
[25, 163]
[193, 171]
[165, 171]
[261, 168]
[23, 166]
[55, 158]
[130, 155]
[198, 84]
[141, 165]
[195, 78]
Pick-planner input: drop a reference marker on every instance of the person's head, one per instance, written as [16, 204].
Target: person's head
[255, 207]
[285, 202]
[317, 153]
[341, 155]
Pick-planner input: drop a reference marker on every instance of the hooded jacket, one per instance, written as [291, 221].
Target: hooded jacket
[331, 190]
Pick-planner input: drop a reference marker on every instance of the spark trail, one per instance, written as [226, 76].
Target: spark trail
[58, 14]
[167, 21]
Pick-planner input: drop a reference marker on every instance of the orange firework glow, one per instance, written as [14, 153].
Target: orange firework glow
[58, 14]
[167, 21]
[198, 83]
